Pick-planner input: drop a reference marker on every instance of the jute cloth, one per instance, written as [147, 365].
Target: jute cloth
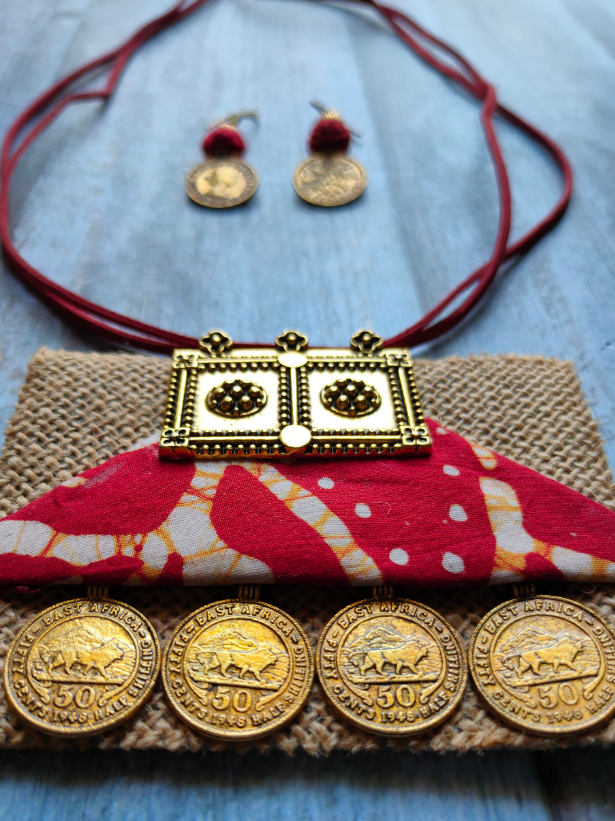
[76, 410]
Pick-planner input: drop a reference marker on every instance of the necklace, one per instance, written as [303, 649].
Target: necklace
[115, 327]
[238, 669]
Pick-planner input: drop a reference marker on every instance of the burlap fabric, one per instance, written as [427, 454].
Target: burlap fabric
[76, 410]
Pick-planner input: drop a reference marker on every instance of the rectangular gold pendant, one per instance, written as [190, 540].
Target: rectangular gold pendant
[233, 403]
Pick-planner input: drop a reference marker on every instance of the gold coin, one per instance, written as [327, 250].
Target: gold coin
[392, 667]
[545, 665]
[237, 670]
[221, 183]
[82, 666]
[329, 179]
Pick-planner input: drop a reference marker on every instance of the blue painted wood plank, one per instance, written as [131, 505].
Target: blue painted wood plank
[163, 787]
[569, 785]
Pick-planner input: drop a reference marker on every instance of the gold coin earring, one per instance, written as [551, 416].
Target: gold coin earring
[238, 669]
[329, 177]
[224, 179]
[82, 666]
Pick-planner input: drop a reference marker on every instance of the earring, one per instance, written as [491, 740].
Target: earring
[224, 179]
[329, 177]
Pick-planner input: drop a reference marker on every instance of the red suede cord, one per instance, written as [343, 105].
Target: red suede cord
[124, 330]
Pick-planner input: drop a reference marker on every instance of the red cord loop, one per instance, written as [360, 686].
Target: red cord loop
[125, 330]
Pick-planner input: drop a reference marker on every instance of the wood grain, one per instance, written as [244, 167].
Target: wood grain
[569, 785]
[99, 206]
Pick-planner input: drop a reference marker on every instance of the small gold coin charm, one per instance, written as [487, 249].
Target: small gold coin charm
[82, 666]
[329, 177]
[225, 179]
[545, 665]
[237, 669]
[391, 666]
[221, 183]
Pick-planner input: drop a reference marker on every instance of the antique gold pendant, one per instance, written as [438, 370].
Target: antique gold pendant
[271, 402]
[237, 669]
[391, 666]
[546, 665]
[82, 666]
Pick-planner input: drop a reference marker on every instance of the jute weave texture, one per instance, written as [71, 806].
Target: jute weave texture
[77, 410]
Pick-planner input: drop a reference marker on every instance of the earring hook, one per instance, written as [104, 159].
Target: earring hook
[331, 113]
[233, 119]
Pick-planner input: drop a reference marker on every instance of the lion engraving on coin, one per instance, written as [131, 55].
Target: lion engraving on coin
[235, 649]
[382, 646]
[541, 653]
[80, 651]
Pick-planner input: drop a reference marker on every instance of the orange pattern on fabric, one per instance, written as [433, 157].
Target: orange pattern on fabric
[514, 544]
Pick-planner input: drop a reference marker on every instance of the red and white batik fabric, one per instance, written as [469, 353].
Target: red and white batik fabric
[463, 516]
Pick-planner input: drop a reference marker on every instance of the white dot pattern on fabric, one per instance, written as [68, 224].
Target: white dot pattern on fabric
[155, 552]
[190, 530]
[203, 481]
[106, 546]
[25, 538]
[457, 513]
[363, 511]
[310, 509]
[453, 563]
[78, 550]
[506, 517]
[441, 431]
[281, 489]
[486, 457]
[573, 564]
[450, 470]
[326, 483]
[398, 556]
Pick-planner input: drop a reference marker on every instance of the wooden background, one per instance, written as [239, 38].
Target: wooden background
[99, 206]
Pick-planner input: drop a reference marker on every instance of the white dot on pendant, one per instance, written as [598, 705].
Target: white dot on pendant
[363, 511]
[326, 483]
[398, 556]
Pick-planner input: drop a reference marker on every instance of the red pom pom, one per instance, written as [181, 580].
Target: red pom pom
[329, 135]
[223, 140]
